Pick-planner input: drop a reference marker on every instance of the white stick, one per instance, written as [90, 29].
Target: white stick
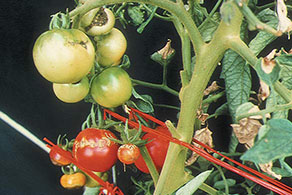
[24, 132]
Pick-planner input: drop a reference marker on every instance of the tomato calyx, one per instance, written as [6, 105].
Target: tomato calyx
[56, 158]
[60, 21]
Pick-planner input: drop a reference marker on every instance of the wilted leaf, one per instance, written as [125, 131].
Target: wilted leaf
[213, 87]
[205, 136]
[246, 130]
[275, 144]
[285, 24]
[267, 168]
[264, 91]
[194, 184]
[268, 76]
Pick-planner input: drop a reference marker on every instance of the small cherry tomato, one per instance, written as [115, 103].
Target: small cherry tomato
[110, 48]
[63, 55]
[94, 151]
[58, 159]
[73, 181]
[157, 149]
[98, 21]
[112, 87]
[128, 153]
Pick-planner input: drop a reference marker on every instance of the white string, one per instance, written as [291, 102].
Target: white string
[24, 131]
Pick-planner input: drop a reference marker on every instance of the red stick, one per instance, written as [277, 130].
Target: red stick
[282, 189]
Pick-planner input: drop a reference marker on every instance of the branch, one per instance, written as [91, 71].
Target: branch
[170, 6]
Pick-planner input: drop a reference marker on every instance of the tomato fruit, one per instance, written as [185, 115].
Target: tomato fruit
[57, 159]
[157, 149]
[73, 181]
[94, 151]
[98, 21]
[110, 48]
[72, 92]
[112, 87]
[63, 55]
[128, 153]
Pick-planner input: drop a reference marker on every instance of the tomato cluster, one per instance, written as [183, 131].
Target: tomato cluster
[84, 61]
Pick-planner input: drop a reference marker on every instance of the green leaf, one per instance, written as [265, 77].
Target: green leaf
[275, 144]
[268, 78]
[286, 76]
[144, 24]
[208, 28]
[220, 185]
[237, 78]
[263, 38]
[275, 99]
[91, 191]
[143, 103]
[194, 184]
[284, 59]
[222, 110]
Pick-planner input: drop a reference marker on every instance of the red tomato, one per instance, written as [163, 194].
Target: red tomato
[57, 159]
[94, 151]
[128, 153]
[157, 149]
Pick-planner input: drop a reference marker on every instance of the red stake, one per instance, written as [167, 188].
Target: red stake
[280, 189]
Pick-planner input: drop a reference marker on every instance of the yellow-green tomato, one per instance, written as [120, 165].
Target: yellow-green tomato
[110, 48]
[112, 87]
[72, 93]
[98, 21]
[63, 55]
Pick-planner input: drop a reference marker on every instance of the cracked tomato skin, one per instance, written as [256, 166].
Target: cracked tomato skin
[128, 153]
[94, 151]
[63, 55]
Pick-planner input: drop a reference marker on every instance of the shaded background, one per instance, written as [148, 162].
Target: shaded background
[29, 99]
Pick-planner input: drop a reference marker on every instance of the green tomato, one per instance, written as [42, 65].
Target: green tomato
[72, 93]
[112, 87]
[63, 55]
[98, 21]
[110, 48]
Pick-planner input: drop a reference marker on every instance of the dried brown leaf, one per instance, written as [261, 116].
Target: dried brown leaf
[205, 136]
[267, 168]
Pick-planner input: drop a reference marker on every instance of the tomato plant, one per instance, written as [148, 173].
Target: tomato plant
[93, 150]
[208, 38]
[63, 55]
[128, 153]
[72, 92]
[112, 87]
[110, 48]
[73, 181]
[99, 21]
[157, 148]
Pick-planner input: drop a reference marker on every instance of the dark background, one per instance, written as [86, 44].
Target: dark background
[29, 99]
